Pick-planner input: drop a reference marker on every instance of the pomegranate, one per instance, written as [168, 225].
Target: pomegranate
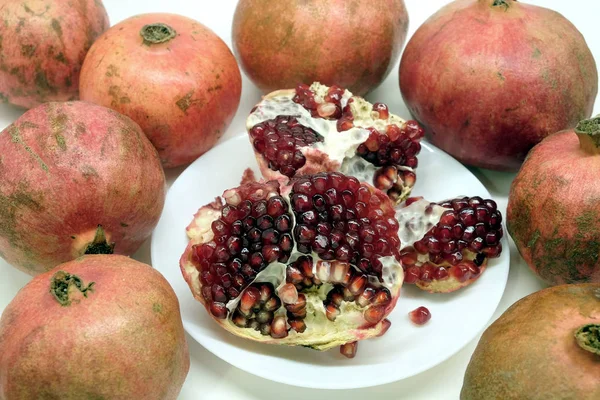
[351, 44]
[311, 264]
[489, 79]
[99, 327]
[320, 128]
[43, 46]
[172, 75]
[446, 245]
[77, 179]
[420, 315]
[545, 346]
[553, 208]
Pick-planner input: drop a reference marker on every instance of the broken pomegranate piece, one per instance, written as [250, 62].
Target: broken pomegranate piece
[446, 245]
[317, 128]
[314, 263]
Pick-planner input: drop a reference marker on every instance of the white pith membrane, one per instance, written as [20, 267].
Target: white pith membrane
[321, 333]
[339, 148]
[415, 221]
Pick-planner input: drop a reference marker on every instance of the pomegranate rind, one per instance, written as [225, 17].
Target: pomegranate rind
[338, 151]
[321, 333]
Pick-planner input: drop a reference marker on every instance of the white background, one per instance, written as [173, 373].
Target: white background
[211, 378]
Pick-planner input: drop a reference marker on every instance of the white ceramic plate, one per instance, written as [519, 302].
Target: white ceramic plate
[405, 350]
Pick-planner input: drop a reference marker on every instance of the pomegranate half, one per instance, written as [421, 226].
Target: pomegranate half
[489, 79]
[352, 44]
[553, 208]
[172, 75]
[76, 178]
[318, 128]
[98, 327]
[545, 346]
[313, 264]
[447, 245]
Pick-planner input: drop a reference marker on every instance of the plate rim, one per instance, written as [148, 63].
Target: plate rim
[282, 378]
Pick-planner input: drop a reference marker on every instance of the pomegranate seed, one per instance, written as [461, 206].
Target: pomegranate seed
[239, 320]
[490, 204]
[364, 299]
[331, 311]
[448, 218]
[249, 298]
[218, 310]
[265, 329]
[383, 297]
[477, 244]
[412, 274]
[283, 223]
[420, 315]
[288, 293]
[440, 274]
[298, 306]
[358, 284]
[272, 304]
[459, 204]
[493, 251]
[460, 272]
[374, 314]
[218, 293]
[298, 325]
[491, 238]
[427, 272]
[382, 110]
[349, 349]
[279, 328]
[467, 216]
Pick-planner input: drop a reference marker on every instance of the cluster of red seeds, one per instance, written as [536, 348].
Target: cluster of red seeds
[279, 140]
[247, 238]
[466, 234]
[399, 146]
[339, 218]
[330, 108]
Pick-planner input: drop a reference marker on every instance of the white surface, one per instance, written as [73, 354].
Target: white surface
[403, 351]
[212, 379]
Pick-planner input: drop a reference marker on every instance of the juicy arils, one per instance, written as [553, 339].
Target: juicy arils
[319, 128]
[312, 264]
[446, 245]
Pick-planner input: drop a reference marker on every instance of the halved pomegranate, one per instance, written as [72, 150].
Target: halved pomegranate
[445, 246]
[318, 128]
[314, 263]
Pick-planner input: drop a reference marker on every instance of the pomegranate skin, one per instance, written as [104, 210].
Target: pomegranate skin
[123, 339]
[553, 212]
[531, 351]
[489, 82]
[183, 91]
[67, 168]
[352, 44]
[43, 47]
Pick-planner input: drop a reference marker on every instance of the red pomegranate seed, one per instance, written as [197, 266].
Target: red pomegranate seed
[412, 274]
[358, 284]
[218, 293]
[298, 325]
[239, 320]
[440, 274]
[249, 298]
[460, 272]
[382, 110]
[272, 304]
[349, 349]
[427, 272]
[374, 314]
[279, 328]
[420, 315]
[218, 310]
[288, 293]
[382, 298]
[494, 251]
[332, 312]
[298, 306]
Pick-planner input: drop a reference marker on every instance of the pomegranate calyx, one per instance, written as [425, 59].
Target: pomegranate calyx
[63, 284]
[501, 3]
[588, 338]
[588, 131]
[157, 33]
[100, 245]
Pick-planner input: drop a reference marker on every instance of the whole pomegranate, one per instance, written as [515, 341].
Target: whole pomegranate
[170, 74]
[43, 46]
[553, 209]
[545, 346]
[489, 79]
[447, 245]
[311, 264]
[318, 128]
[353, 44]
[76, 178]
[99, 327]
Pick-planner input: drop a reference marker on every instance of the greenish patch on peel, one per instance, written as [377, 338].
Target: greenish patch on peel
[58, 125]
[15, 135]
[157, 308]
[534, 239]
[88, 171]
[56, 27]
[588, 338]
[60, 141]
[27, 50]
[41, 82]
[68, 82]
[500, 76]
[111, 71]
[3, 98]
[536, 53]
[80, 128]
[289, 34]
[124, 225]
[213, 88]
[60, 57]
[548, 79]
[63, 284]
[124, 100]
[186, 102]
